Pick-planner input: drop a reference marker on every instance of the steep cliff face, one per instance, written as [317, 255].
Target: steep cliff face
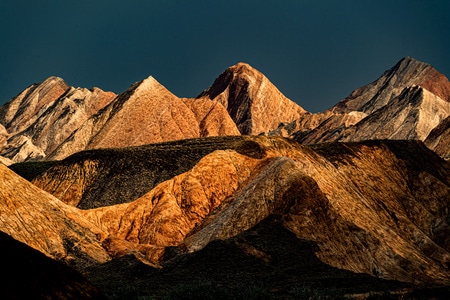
[379, 208]
[147, 113]
[253, 102]
[410, 116]
[26, 108]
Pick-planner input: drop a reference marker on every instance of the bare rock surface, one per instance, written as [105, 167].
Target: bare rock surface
[406, 73]
[253, 102]
[407, 101]
[21, 111]
[96, 178]
[44, 115]
[375, 207]
[46, 224]
[439, 139]
[147, 113]
[410, 116]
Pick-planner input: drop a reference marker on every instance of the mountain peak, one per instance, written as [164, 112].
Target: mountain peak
[252, 101]
[405, 73]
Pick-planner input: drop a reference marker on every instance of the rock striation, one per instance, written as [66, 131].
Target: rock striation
[406, 73]
[44, 115]
[375, 207]
[253, 102]
[439, 138]
[147, 113]
[407, 101]
[36, 218]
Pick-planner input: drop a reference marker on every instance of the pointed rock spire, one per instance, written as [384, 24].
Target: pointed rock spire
[252, 101]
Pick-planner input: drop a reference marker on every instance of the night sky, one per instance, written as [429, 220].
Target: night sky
[315, 52]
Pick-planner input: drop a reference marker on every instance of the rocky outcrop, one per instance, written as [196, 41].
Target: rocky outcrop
[97, 178]
[407, 102]
[406, 73]
[410, 116]
[44, 115]
[253, 102]
[147, 113]
[27, 107]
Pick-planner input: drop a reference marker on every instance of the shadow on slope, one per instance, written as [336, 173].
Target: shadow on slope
[29, 274]
[124, 174]
[265, 262]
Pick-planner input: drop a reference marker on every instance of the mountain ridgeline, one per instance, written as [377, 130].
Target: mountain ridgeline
[50, 120]
[239, 192]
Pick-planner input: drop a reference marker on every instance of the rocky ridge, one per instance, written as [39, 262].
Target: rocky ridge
[44, 115]
[387, 210]
[408, 101]
[147, 113]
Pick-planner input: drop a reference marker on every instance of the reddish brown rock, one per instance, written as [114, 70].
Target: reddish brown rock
[406, 73]
[439, 139]
[253, 102]
[375, 207]
[147, 113]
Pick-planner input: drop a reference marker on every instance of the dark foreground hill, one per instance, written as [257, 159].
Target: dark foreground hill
[29, 274]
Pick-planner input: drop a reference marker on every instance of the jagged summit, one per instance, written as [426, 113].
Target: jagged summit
[252, 101]
[406, 73]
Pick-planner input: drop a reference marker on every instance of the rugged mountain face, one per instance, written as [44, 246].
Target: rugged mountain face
[253, 102]
[406, 73]
[439, 139]
[147, 113]
[97, 178]
[410, 116]
[52, 120]
[379, 209]
[44, 115]
[406, 102]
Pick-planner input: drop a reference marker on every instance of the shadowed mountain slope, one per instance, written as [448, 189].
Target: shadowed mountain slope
[95, 178]
[36, 218]
[260, 263]
[371, 207]
[32, 275]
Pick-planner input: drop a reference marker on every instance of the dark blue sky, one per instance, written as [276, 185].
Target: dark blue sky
[315, 52]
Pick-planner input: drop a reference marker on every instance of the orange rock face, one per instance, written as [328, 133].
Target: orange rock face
[376, 207]
[148, 113]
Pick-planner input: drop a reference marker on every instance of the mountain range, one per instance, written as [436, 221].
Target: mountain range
[148, 190]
